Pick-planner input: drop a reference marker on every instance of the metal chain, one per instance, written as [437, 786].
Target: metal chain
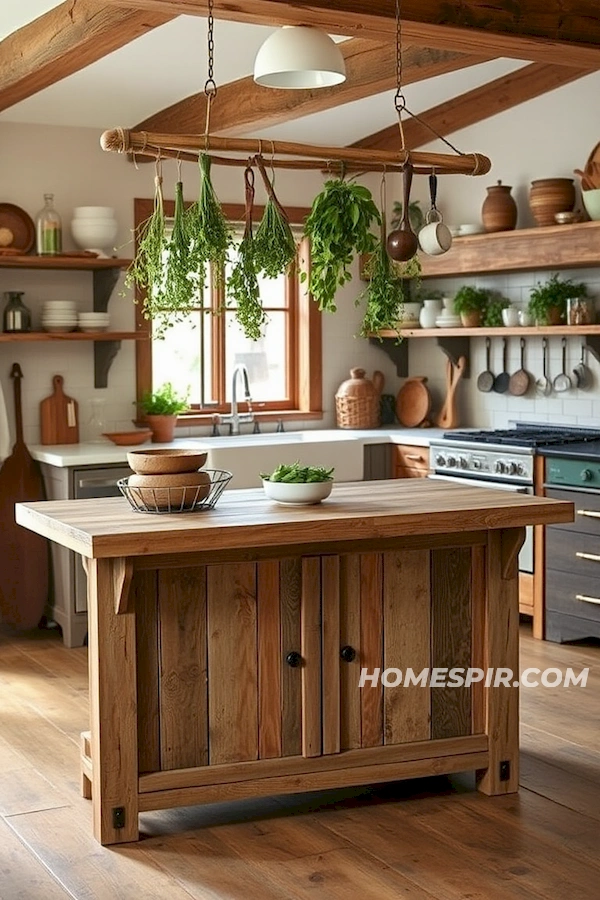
[399, 101]
[210, 86]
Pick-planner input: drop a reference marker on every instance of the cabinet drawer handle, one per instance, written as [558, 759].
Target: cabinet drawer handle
[585, 599]
[415, 457]
[591, 556]
[348, 653]
[589, 513]
[293, 659]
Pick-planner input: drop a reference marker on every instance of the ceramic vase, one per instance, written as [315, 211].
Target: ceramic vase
[429, 313]
[548, 196]
[499, 210]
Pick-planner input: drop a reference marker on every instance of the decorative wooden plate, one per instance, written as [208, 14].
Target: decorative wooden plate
[21, 225]
[413, 403]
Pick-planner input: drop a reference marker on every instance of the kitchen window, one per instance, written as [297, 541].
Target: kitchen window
[201, 352]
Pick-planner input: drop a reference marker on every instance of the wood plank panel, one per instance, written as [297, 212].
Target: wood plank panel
[478, 607]
[269, 660]
[290, 587]
[407, 643]
[183, 664]
[331, 662]
[501, 650]
[371, 642]
[145, 593]
[232, 663]
[450, 638]
[350, 703]
[310, 627]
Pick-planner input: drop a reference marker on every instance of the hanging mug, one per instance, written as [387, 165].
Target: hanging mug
[434, 237]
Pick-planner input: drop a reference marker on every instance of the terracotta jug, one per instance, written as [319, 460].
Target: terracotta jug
[548, 196]
[499, 210]
[358, 400]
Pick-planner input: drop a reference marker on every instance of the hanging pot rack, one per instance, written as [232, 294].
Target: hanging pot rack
[303, 156]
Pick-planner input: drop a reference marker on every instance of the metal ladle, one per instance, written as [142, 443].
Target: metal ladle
[543, 385]
[402, 243]
[562, 382]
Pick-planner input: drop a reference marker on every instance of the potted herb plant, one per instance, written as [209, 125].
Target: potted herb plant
[161, 408]
[470, 304]
[548, 301]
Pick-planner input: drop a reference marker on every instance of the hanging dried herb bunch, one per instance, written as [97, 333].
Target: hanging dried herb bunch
[208, 228]
[338, 227]
[243, 290]
[146, 269]
[274, 244]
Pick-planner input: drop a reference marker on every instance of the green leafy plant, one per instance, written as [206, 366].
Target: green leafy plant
[386, 291]
[470, 299]
[553, 293]
[416, 216]
[298, 474]
[338, 227]
[147, 268]
[164, 401]
[243, 290]
[274, 243]
[207, 228]
[492, 316]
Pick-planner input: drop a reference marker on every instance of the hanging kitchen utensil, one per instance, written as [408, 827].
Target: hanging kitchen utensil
[562, 382]
[435, 237]
[502, 381]
[485, 381]
[448, 417]
[24, 555]
[59, 421]
[413, 402]
[402, 243]
[543, 385]
[521, 379]
[582, 374]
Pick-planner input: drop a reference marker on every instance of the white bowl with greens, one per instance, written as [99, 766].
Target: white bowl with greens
[297, 485]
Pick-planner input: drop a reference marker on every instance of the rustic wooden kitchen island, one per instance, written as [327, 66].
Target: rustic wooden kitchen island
[226, 646]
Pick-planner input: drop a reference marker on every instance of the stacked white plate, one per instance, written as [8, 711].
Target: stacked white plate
[59, 315]
[448, 321]
[93, 321]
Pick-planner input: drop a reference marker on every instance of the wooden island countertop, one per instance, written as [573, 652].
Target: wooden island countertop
[226, 647]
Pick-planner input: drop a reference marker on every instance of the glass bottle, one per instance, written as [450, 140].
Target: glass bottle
[96, 424]
[48, 229]
[17, 316]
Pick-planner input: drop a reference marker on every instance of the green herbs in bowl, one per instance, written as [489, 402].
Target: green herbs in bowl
[297, 485]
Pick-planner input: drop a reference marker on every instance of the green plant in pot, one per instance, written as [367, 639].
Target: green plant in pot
[548, 301]
[492, 316]
[160, 409]
[470, 303]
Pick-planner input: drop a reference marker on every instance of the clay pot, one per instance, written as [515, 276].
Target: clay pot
[471, 319]
[499, 210]
[554, 315]
[548, 196]
[163, 428]
[357, 401]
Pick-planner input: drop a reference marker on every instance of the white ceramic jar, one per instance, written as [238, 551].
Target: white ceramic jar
[429, 313]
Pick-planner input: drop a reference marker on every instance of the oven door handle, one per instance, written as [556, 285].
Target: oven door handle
[593, 557]
[585, 599]
[589, 513]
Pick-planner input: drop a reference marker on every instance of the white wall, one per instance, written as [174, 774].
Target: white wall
[70, 163]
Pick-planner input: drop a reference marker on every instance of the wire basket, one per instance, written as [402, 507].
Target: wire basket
[177, 499]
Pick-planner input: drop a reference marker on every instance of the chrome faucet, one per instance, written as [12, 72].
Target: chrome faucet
[236, 418]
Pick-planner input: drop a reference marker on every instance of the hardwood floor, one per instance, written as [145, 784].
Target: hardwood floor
[433, 839]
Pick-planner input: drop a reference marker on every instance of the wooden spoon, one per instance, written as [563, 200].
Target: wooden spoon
[402, 243]
[448, 417]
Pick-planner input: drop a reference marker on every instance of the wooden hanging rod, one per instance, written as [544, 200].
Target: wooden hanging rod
[187, 146]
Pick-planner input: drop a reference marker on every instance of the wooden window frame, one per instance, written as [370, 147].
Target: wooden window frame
[305, 364]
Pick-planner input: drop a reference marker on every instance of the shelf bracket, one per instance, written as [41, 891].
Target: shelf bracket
[104, 353]
[593, 344]
[397, 352]
[454, 348]
[105, 281]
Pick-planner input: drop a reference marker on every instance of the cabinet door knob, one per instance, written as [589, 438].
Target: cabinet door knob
[348, 653]
[293, 659]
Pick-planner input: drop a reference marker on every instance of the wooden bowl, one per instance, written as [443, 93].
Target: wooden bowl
[166, 462]
[128, 438]
[174, 491]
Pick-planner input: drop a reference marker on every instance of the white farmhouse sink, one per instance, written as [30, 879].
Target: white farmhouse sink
[247, 455]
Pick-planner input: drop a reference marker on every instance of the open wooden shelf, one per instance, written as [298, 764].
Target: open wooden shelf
[533, 331]
[81, 263]
[552, 247]
[74, 336]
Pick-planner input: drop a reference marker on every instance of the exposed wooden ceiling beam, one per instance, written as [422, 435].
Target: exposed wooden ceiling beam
[242, 105]
[64, 40]
[467, 109]
[538, 30]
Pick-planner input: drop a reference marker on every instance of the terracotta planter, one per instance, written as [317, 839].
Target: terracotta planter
[548, 196]
[163, 428]
[554, 315]
[499, 210]
[471, 319]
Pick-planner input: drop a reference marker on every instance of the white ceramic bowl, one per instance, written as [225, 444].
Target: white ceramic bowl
[591, 201]
[93, 212]
[93, 233]
[302, 494]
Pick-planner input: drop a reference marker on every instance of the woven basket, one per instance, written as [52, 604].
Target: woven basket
[357, 401]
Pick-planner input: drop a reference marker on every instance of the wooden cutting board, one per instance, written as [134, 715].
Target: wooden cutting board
[59, 416]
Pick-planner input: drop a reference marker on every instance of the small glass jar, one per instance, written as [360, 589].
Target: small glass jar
[96, 424]
[580, 311]
[48, 229]
[16, 317]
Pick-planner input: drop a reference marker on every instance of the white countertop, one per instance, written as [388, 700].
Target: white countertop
[99, 454]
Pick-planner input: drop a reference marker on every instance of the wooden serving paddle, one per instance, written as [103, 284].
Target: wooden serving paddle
[24, 554]
[448, 418]
[59, 420]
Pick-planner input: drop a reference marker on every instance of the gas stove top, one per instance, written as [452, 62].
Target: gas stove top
[525, 436]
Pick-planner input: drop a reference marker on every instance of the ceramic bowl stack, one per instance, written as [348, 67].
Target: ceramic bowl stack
[93, 321]
[94, 228]
[59, 316]
[172, 481]
[448, 317]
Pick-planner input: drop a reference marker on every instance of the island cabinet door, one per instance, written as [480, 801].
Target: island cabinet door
[403, 614]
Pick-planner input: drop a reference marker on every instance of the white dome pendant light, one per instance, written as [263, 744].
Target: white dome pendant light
[299, 57]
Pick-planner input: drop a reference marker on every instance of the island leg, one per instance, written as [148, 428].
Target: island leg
[501, 651]
[113, 704]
